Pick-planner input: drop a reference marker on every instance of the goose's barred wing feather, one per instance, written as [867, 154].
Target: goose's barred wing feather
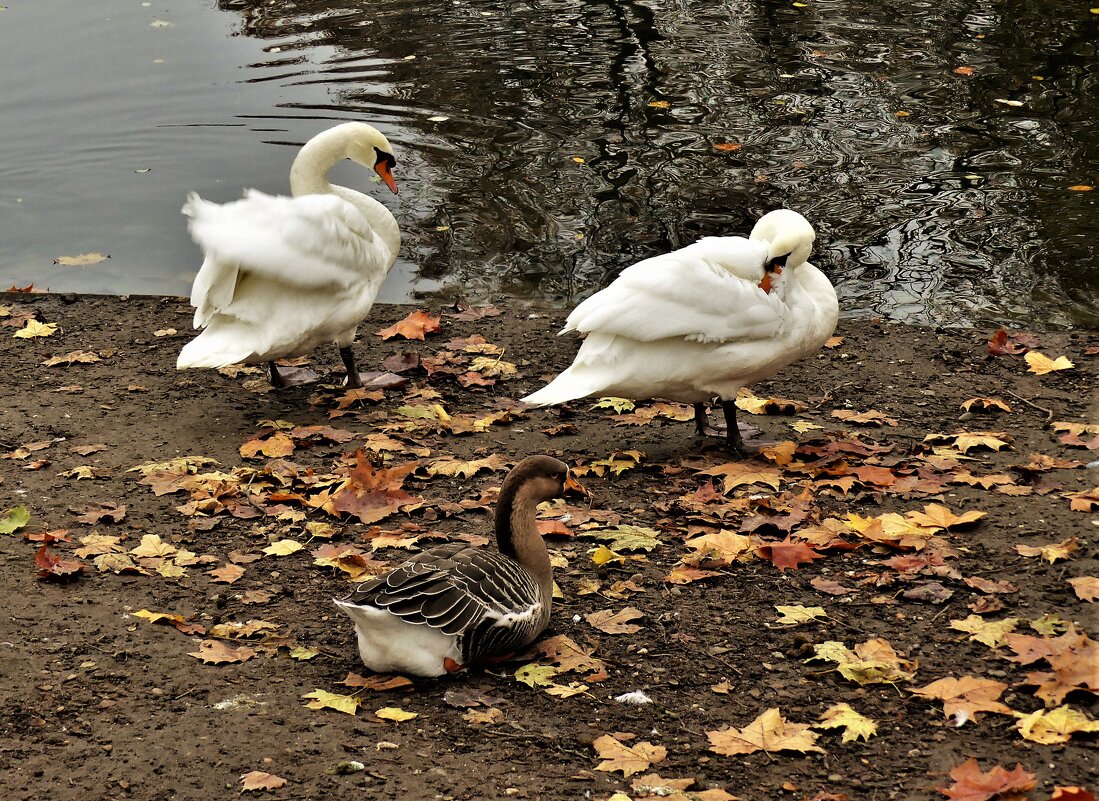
[490, 601]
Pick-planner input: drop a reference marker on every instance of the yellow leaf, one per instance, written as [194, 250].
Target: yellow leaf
[536, 675]
[963, 698]
[152, 546]
[769, 732]
[660, 104]
[986, 404]
[1051, 553]
[871, 662]
[620, 405]
[629, 759]
[488, 717]
[1055, 726]
[1041, 364]
[936, 515]
[578, 159]
[793, 615]
[33, 328]
[602, 555]
[987, 632]
[82, 260]
[302, 653]
[853, 724]
[283, 548]
[567, 690]
[1081, 188]
[395, 714]
[322, 699]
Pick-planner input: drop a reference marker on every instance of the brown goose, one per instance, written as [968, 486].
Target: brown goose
[454, 605]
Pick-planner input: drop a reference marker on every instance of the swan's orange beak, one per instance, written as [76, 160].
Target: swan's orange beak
[383, 169]
[767, 284]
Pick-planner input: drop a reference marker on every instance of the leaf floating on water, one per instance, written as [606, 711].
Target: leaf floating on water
[1081, 188]
[659, 104]
[728, 147]
[1013, 103]
[83, 260]
[964, 71]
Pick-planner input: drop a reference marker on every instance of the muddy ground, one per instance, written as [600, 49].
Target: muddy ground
[99, 704]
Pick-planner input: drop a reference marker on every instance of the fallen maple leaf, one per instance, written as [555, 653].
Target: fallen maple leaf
[448, 466]
[322, 699]
[568, 655]
[1085, 587]
[683, 574]
[97, 512]
[14, 519]
[769, 732]
[1071, 794]
[868, 418]
[795, 615]
[273, 444]
[719, 547]
[257, 780]
[788, 553]
[871, 662]
[965, 441]
[283, 548]
[970, 784]
[1055, 725]
[52, 565]
[34, 329]
[370, 493]
[217, 652]
[736, 474]
[396, 714]
[963, 698]
[629, 759]
[987, 632]
[1051, 553]
[1041, 364]
[1076, 667]
[652, 785]
[73, 357]
[936, 515]
[415, 326]
[616, 622]
[377, 682]
[226, 574]
[484, 717]
[853, 724]
[985, 404]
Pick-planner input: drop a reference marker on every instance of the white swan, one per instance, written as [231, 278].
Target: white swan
[702, 322]
[283, 275]
[455, 605]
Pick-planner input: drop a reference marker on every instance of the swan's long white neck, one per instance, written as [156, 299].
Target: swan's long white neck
[309, 174]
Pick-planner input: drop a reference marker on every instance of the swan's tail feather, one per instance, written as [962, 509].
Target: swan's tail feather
[211, 351]
[567, 386]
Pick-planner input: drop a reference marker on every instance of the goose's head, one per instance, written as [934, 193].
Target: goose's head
[539, 478]
[366, 145]
[789, 238]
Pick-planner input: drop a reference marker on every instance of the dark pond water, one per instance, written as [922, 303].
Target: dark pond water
[545, 144]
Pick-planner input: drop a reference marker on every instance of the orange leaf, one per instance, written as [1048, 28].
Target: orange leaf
[963, 698]
[1071, 794]
[727, 147]
[970, 784]
[1041, 364]
[414, 326]
[788, 554]
[258, 780]
[616, 622]
[629, 759]
[372, 494]
[964, 71]
[1086, 587]
[217, 652]
[51, 565]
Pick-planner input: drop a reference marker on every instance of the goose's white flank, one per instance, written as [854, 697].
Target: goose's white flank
[455, 605]
[283, 275]
[703, 321]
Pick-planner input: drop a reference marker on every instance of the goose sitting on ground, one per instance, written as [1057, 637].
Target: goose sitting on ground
[283, 275]
[702, 322]
[455, 605]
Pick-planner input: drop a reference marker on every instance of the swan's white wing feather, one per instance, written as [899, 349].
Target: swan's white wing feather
[706, 292]
[312, 242]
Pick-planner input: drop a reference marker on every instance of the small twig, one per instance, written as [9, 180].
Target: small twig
[1033, 405]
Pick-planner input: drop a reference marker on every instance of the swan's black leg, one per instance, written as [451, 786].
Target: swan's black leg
[353, 379]
[733, 440]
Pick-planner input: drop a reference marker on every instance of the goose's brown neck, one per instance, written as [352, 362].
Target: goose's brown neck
[517, 533]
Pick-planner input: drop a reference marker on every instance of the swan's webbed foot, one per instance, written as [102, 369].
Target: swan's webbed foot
[703, 425]
[291, 376]
[730, 433]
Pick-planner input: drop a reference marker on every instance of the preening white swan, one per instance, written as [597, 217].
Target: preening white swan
[702, 322]
[454, 604]
[283, 275]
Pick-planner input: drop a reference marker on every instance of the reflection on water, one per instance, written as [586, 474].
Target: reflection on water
[545, 144]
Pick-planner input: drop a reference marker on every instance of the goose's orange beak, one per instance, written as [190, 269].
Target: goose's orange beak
[384, 169]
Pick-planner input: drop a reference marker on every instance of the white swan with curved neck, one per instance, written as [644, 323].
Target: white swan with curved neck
[283, 275]
[702, 322]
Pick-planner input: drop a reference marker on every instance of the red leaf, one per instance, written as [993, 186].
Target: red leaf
[788, 554]
[970, 784]
[51, 565]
